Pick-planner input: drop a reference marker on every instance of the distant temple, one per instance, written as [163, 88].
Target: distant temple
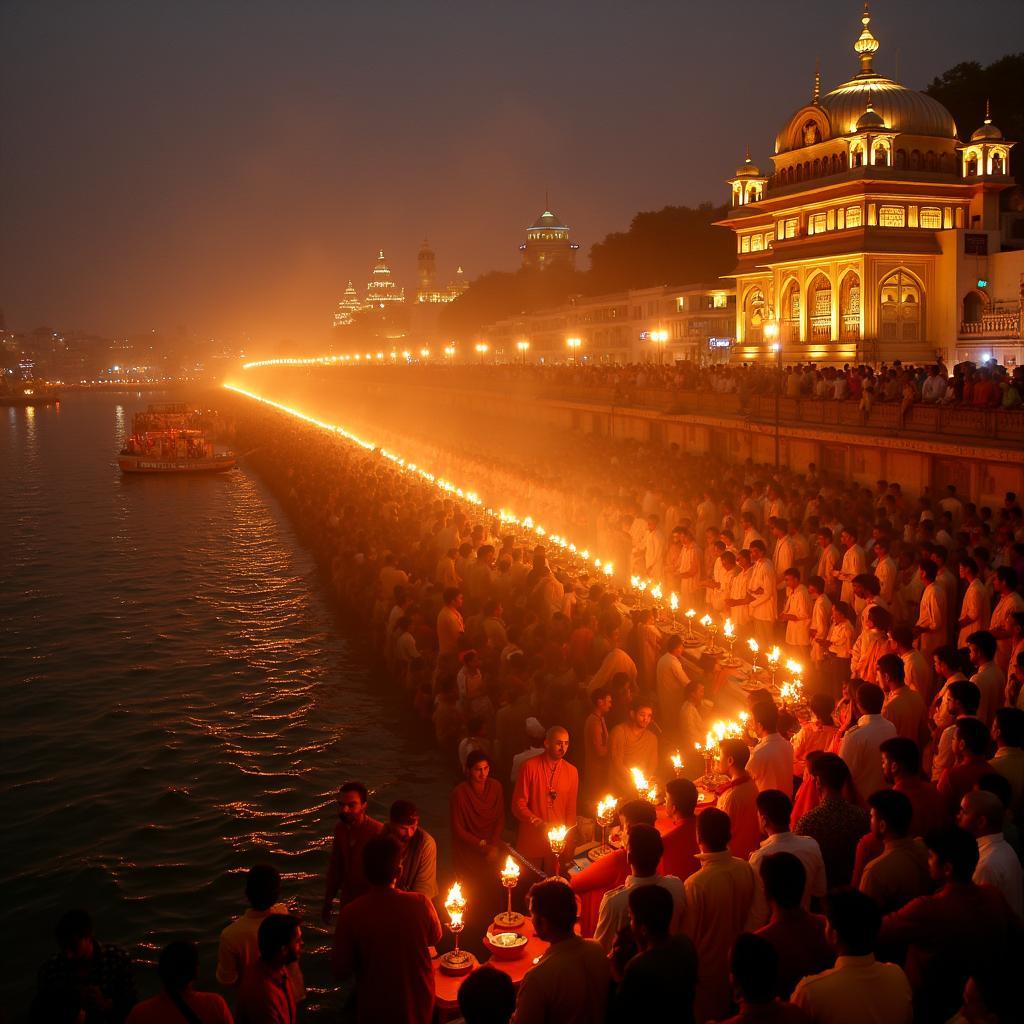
[427, 289]
[548, 244]
[878, 234]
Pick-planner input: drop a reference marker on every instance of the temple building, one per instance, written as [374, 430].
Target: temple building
[428, 291]
[548, 244]
[877, 234]
[350, 304]
[381, 290]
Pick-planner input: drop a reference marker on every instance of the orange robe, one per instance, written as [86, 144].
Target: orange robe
[547, 790]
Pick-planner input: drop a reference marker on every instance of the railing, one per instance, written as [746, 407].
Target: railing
[1000, 324]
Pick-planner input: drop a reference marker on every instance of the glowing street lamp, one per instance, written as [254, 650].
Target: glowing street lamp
[524, 347]
[425, 353]
[660, 338]
[482, 348]
[574, 345]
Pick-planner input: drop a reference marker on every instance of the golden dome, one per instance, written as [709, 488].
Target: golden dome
[988, 132]
[900, 109]
[747, 169]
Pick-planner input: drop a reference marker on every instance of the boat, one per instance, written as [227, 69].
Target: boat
[167, 439]
[28, 393]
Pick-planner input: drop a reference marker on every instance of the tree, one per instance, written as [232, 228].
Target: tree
[964, 89]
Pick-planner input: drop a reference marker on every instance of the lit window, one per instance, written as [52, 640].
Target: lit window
[756, 243]
[931, 217]
[746, 243]
[853, 217]
[892, 217]
[721, 300]
[791, 225]
[681, 304]
[817, 224]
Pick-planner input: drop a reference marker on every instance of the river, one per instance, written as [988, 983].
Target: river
[180, 701]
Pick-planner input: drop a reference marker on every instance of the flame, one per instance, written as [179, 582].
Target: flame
[754, 646]
[728, 629]
[673, 602]
[651, 794]
[690, 613]
[773, 655]
[605, 807]
[639, 780]
[706, 621]
[557, 834]
[511, 869]
[656, 592]
[677, 761]
[795, 667]
[455, 904]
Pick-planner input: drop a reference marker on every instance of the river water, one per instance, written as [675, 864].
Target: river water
[179, 701]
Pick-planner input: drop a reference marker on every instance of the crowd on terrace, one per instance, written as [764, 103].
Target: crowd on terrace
[852, 855]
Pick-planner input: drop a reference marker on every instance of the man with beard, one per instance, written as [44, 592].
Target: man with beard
[545, 796]
[266, 995]
[345, 878]
[419, 851]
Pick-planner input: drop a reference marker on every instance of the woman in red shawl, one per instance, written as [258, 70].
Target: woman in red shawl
[478, 820]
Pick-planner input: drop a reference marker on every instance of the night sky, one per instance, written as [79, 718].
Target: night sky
[226, 167]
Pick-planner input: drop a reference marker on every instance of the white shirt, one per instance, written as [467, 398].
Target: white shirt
[989, 679]
[771, 764]
[614, 912]
[807, 851]
[858, 990]
[859, 750]
[999, 867]
[762, 577]
[976, 609]
[798, 604]
[821, 623]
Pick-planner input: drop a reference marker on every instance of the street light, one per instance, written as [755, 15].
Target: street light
[574, 344]
[425, 353]
[524, 347]
[449, 352]
[481, 347]
[660, 337]
[771, 334]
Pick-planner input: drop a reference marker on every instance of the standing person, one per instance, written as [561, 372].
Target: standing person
[644, 850]
[664, 970]
[595, 748]
[763, 605]
[860, 746]
[719, 899]
[384, 939]
[836, 823]
[450, 624]
[981, 813]
[737, 599]
[960, 929]
[680, 842]
[239, 944]
[903, 706]
[87, 981]
[670, 681]
[930, 628]
[266, 995]
[899, 873]
[901, 769]
[885, 572]
[988, 677]
[631, 744]
[545, 796]
[178, 968]
[1008, 760]
[858, 988]
[739, 798]
[477, 809]
[829, 561]
[1008, 602]
[797, 935]
[821, 623]
[975, 609]
[853, 564]
[692, 727]
[419, 850]
[354, 829]
[971, 744]
[771, 761]
[817, 733]
[773, 812]
[872, 643]
[570, 982]
[839, 646]
[918, 673]
[754, 976]
[796, 614]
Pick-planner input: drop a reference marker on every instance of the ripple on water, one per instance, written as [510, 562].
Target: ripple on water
[177, 701]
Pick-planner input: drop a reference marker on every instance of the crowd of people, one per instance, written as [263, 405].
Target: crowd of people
[857, 858]
[970, 385]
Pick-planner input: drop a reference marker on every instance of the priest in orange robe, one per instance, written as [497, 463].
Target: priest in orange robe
[544, 797]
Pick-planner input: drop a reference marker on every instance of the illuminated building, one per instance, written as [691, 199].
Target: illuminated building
[427, 289]
[877, 234]
[347, 308]
[381, 290]
[548, 244]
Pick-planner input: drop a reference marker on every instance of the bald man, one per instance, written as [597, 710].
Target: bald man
[982, 813]
[545, 796]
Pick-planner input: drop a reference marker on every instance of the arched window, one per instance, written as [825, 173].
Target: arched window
[972, 165]
[849, 307]
[900, 313]
[881, 157]
[842, 160]
[944, 162]
[915, 159]
[790, 313]
[901, 158]
[819, 309]
[754, 317]
[816, 169]
[929, 161]
[973, 306]
[857, 157]
[997, 163]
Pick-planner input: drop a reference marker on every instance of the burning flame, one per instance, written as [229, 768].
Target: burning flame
[673, 602]
[606, 807]
[728, 629]
[755, 648]
[510, 872]
[677, 761]
[455, 905]
[639, 780]
[690, 613]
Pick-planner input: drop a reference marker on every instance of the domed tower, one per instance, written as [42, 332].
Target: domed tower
[381, 289]
[988, 152]
[347, 308]
[748, 184]
[426, 273]
[548, 244]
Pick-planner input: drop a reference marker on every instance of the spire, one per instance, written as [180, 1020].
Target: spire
[988, 111]
[816, 95]
[547, 205]
[866, 45]
[746, 157]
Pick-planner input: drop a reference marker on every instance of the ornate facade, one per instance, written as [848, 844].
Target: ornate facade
[876, 233]
[548, 244]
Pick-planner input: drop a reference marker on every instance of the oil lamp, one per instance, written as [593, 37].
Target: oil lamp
[456, 961]
[509, 918]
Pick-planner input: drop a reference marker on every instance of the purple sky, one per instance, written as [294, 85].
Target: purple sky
[227, 166]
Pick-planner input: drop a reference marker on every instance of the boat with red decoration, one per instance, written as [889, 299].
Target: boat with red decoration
[168, 439]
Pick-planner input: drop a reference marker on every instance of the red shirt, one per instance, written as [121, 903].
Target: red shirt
[681, 849]
[209, 1007]
[593, 882]
[959, 780]
[265, 996]
[384, 939]
[345, 876]
[929, 808]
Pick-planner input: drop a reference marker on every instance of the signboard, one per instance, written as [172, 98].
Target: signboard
[975, 244]
[720, 342]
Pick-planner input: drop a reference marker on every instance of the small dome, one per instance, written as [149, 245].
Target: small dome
[988, 132]
[546, 221]
[870, 119]
[748, 169]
